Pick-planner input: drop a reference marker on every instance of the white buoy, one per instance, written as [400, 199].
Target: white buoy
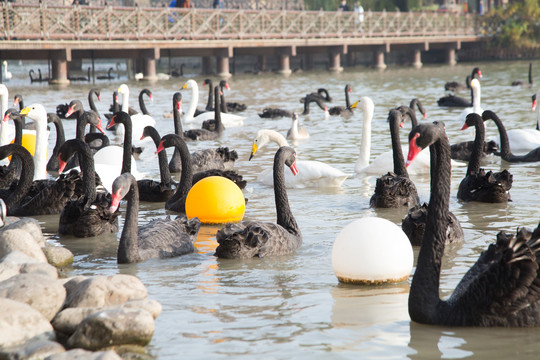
[372, 250]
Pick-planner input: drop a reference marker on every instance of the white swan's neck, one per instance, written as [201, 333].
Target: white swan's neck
[271, 135]
[40, 154]
[294, 129]
[538, 111]
[194, 100]
[365, 145]
[4, 94]
[124, 91]
[476, 99]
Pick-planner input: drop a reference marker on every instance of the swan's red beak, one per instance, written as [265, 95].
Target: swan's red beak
[293, 167]
[479, 73]
[15, 101]
[151, 97]
[425, 115]
[6, 117]
[62, 165]
[401, 125]
[227, 86]
[111, 123]
[100, 127]
[534, 105]
[179, 105]
[115, 202]
[70, 111]
[414, 150]
[99, 97]
[465, 126]
[160, 147]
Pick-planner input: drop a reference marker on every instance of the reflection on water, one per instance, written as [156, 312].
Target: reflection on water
[293, 306]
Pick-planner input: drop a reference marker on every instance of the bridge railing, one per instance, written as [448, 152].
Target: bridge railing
[42, 22]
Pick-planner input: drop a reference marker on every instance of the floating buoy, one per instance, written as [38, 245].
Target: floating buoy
[28, 142]
[372, 250]
[215, 200]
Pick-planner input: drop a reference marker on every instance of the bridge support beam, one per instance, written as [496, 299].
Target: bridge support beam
[417, 58]
[451, 56]
[222, 66]
[284, 55]
[149, 57]
[59, 64]
[334, 57]
[378, 59]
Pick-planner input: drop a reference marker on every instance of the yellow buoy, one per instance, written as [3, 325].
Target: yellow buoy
[215, 200]
[28, 142]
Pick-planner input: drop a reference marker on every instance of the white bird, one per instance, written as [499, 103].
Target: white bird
[228, 120]
[476, 106]
[138, 121]
[524, 140]
[297, 132]
[311, 173]
[6, 134]
[6, 75]
[385, 161]
[38, 114]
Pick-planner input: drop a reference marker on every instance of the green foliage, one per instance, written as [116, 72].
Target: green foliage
[515, 26]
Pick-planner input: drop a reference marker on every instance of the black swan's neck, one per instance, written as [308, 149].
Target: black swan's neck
[424, 300]
[397, 152]
[506, 153]
[142, 104]
[52, 165]
[164, 172]
[91, 102]
[126, 157]
[308, 101]
[186, 178]
[128, 248]
[210, 102]
[176, 118]
[19, 124]
[217, 111]
[27, 174]
[88, 171]
[530, 74]
[223, 102]
[285, 217]
[347, 100]
[478, 145]
[80, 125]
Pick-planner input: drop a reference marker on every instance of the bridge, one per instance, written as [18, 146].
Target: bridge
[62, 34]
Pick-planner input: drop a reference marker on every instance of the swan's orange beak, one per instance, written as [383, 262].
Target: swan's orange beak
[254, 149]
[465, 126]
[401, 125]
[115, 202]
[425, 115]
[293, 167]
[111, 123]
[100, 127]
[70, 111]
[533, 105]
[414, 150]
[160, 147]
[62, 165]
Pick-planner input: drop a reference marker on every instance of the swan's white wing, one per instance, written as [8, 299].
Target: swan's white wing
[228, 120]
[138, 123]
[108, 165]
[521, 140]
[310, 174]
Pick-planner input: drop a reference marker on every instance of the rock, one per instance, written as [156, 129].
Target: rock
[30, 225]
[43, 293]
[20, 322]
[32, 350]
[58, 256]
[103, 291]
[17, 262]
[20, 240]
[67, 320]
[80, 354]
[113, 327]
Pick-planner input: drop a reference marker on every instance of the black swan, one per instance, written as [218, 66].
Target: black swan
[40, 197]
[88, 76]
[414, 224]
[109, 75]
[500, 289]
[89, 215]
[151, 190]
[114, 108]
[40, 77]
[410, 112]
[463, 150]
[452, 100]
[229, 106]
[311, 99]
[160, 238]
[204, 134]
[490, 187]
[248, 239]
[506, 153]
[395, 189]
[273, 113]
[457, 86]
[321, 93]
[53, 164]
[142, 104]
[340, 110]
[18, 101]
[523, 83]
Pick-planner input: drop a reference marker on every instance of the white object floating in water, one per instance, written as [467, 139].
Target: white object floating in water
[372, 250]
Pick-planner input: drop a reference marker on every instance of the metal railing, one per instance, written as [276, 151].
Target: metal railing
[42, 22]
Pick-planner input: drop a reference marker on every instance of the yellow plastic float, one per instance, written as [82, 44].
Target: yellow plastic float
[29, 143]
[372, 250]
[215, 200]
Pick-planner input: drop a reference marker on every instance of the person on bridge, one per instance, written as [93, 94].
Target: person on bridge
[343, 6]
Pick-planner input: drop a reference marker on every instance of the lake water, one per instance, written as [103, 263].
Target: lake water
[293, 306]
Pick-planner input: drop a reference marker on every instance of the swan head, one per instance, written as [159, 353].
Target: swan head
[422, 136]
[224, 84]
[120, 188]
[190, 84]
[533, 98]
[365, 104]
[3, 90]
[290, 160]
[120, 117]
[123, 89]
[35, 112]
[75, 105]
[264, 137]
[294, 116]
[17, 99]
[475, 83]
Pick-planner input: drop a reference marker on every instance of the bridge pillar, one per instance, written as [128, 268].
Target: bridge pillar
[149, 57]
[417, 59]
[451, 56]
[378, 59]
[59, 67]
[284, 64]
[222, 64]
[334, 57]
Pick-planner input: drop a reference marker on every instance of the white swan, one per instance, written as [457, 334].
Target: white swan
[138, 121]
[310, 173]
[297, 132]
[7, 75]
[38, 114]
[7, 132]
[476, 106]
[228, 120]
[385, 161]
[524, 140]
